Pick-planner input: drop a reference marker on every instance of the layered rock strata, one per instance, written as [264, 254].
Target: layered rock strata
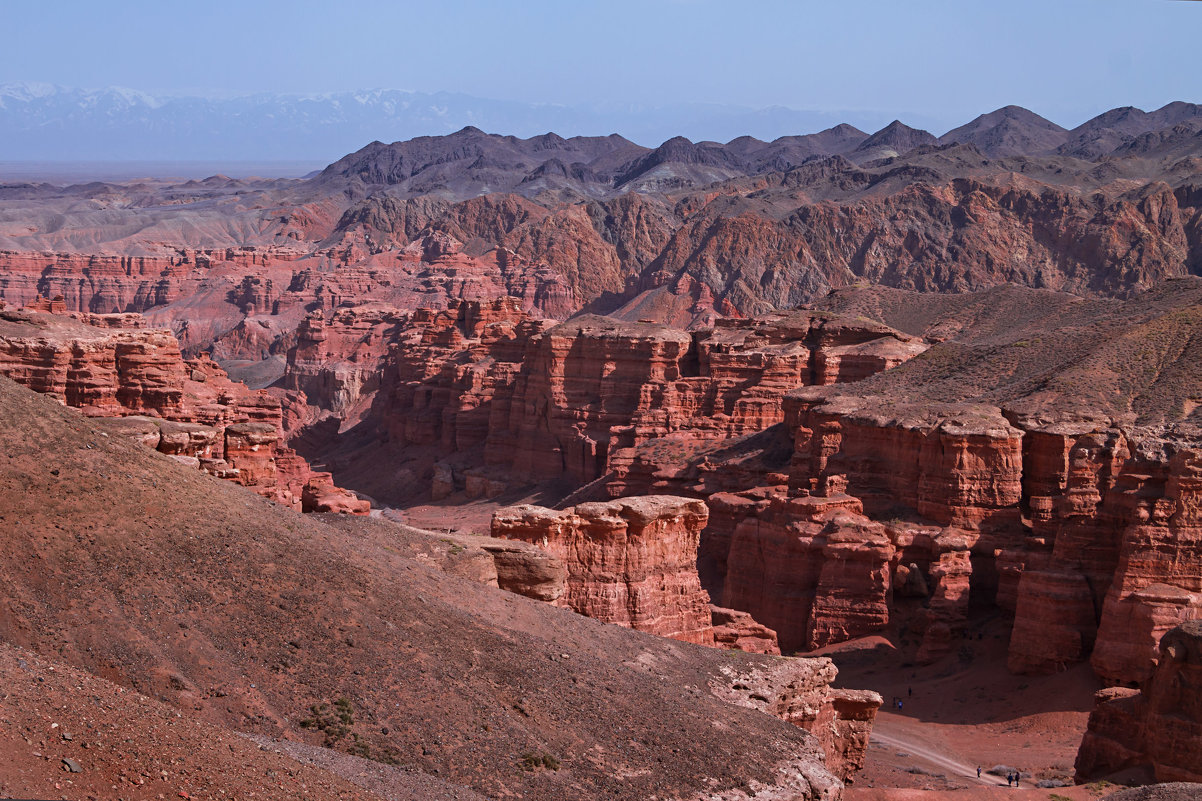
[818, 571]
[1086, 530]
[593, 387]
[583, 399]
[1159, 725]
[800, 692]
[113, 366]
[1123, 565]
[630, 562]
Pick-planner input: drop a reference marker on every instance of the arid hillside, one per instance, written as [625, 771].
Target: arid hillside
[240, 615]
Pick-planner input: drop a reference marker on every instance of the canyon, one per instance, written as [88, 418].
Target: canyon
[643, 427]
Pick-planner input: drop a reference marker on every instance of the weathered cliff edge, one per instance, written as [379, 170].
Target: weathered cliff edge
[113, 366]
[632, 562]
[1159, 725]
[1086, 529]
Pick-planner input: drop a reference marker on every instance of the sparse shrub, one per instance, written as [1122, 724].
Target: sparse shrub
[334, 724]
[532, 761]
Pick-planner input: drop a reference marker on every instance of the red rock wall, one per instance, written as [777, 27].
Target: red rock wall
[631, 562]
[593, 388]
[1158, 580]
[207, 420]
[960, 466]
[812, 569]
[1109, 561]
[106, 284]
[1159, 725]
[575, 400]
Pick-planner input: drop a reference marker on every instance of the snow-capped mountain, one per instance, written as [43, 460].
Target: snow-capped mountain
[45, 122]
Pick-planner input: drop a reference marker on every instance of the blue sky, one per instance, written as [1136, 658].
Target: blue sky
[939, 59]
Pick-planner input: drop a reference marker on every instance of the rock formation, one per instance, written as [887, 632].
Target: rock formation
[113, 366]
[739, 631]
[631, 562]
[799, 691]
[581, 399]
[592, 387]
[813, 570]
[1123, 566]
[1159, 725]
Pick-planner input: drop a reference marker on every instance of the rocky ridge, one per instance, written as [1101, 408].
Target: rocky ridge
[689, 233]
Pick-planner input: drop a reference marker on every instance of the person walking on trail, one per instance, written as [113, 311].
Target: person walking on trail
[978, 771]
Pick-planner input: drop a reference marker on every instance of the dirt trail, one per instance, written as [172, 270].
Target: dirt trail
[895, 739]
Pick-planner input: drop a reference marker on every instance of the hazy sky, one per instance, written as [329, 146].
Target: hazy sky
[944, 59]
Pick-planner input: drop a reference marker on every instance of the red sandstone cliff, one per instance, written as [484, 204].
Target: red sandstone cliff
[113, 366]
[581, 399]
[631, 562]
[1159, 725]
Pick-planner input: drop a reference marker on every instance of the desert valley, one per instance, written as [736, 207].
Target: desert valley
[861, 465]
